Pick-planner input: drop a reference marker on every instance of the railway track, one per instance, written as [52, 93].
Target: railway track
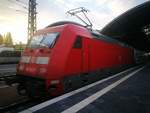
[10, 100]
[7, 75]
[8, 93]
[11, 108]
[7, 70]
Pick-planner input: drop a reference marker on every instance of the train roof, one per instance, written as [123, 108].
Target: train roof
[130, 25]
[95, 33]
[63, 23]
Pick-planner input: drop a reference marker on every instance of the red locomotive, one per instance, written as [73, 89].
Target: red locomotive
[66, 55]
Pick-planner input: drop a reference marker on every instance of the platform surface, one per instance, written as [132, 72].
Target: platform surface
[126, 92]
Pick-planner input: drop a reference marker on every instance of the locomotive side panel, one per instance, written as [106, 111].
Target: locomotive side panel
[78, 59]
[107, 55]
[74, 62]
[102, 55]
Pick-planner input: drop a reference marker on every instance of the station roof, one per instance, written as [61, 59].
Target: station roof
[132, 27]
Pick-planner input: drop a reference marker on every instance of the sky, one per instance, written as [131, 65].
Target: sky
[14, 17]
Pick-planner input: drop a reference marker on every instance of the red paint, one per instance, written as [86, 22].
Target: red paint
[66, 60]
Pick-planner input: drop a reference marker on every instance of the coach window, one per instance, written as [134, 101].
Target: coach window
[78, 43]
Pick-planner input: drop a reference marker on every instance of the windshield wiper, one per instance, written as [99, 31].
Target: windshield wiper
[42, 45]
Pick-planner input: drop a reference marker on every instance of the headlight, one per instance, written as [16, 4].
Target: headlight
[25, 59]
[42, 60]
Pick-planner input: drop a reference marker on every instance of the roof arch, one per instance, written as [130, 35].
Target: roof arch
[129, 27]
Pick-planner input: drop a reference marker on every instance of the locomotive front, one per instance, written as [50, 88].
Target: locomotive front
[33, 67]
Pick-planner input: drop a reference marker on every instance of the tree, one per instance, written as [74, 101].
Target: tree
[1, 39]
[19, 46]
[8, 39]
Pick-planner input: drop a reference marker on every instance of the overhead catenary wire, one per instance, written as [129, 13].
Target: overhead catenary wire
[22, 2]
[14, 9]
[20, 9]
[19, 3]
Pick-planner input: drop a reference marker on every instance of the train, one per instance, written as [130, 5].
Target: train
[8, 55]
[65, 56]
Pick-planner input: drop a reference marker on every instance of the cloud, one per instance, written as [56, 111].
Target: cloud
[12, 20]
[118, 7]
[99, 20]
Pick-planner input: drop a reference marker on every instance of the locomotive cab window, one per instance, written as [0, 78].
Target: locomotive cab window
[44, 40]
[78, 43]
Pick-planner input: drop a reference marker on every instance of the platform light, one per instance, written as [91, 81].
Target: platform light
[146, 30]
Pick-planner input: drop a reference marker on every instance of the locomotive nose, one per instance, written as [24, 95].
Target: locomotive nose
[36, 66]
[34, 62]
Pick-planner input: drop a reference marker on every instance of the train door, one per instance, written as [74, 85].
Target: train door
[82, 44]
[85, 55]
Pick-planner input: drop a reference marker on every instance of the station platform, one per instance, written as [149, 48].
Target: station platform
[125, 92]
